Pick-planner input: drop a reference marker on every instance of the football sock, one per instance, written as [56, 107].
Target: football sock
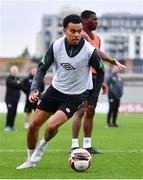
[26, 125]
[86, 142]
[43, 142]
[29, 153]
[74, 143]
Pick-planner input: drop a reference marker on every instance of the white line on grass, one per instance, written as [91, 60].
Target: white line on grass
[61, 150]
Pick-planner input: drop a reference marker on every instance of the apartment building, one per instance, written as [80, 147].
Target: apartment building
[121, 34]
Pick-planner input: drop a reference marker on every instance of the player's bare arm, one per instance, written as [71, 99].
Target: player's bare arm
[110, 60]
[119, 65]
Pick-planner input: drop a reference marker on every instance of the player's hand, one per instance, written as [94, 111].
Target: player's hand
[104, 88]
[119, 65]
[34, 96]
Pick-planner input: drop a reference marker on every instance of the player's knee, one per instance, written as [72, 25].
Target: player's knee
[78, 116]
[80, 113]
[52, 130]
[52, 127]
[34, 126]
[90, 111]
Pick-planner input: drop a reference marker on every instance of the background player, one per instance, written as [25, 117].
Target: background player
[115, 84]
[13, 87]
[26, 83]
[88, 110]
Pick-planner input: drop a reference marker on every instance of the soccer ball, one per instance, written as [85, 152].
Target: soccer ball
[80, 160]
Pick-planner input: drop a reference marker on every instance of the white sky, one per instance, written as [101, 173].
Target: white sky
[20, 20]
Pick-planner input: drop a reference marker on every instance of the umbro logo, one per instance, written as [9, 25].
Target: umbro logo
[67, 66]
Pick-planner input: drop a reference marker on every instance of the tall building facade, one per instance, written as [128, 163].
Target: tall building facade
[121, 34]
[52, 28]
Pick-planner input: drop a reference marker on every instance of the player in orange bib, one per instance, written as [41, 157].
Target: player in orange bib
[87, 111]
[94, 39]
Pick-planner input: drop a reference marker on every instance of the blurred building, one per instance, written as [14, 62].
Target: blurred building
[52, 28]
[121, 34]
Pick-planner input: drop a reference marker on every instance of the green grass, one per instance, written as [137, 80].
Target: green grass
[122, 147]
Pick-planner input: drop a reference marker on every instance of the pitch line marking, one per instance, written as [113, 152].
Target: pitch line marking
[61, 150]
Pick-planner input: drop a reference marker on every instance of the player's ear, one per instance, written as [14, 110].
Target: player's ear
[84, 20]
[65, 30]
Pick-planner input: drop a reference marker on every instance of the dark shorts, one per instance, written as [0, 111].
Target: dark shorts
[91, 96]
[53, 100]
[29, 106]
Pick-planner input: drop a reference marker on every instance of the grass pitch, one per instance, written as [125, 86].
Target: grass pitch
[122, 149]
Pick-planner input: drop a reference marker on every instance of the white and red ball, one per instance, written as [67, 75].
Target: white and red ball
[80, 160]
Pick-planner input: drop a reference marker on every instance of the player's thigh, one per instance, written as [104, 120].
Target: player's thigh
[40, 117]
[57, 120]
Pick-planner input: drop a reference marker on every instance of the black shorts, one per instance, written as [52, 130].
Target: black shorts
[29, 106]
[53, 100]
[91, 96]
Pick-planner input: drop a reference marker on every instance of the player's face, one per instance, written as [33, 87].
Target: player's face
[33, 71]
[92, 22]
[73, 33]
[14, 71]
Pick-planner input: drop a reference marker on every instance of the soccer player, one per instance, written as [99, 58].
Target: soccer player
[13, 87]
[88, 110]
[26, 83]
[115, 84]
[71, 57]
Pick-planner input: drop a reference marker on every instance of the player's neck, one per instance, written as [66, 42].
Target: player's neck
[89, 32]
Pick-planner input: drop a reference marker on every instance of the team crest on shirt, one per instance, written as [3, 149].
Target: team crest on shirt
[68, 110]
[67, 66]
